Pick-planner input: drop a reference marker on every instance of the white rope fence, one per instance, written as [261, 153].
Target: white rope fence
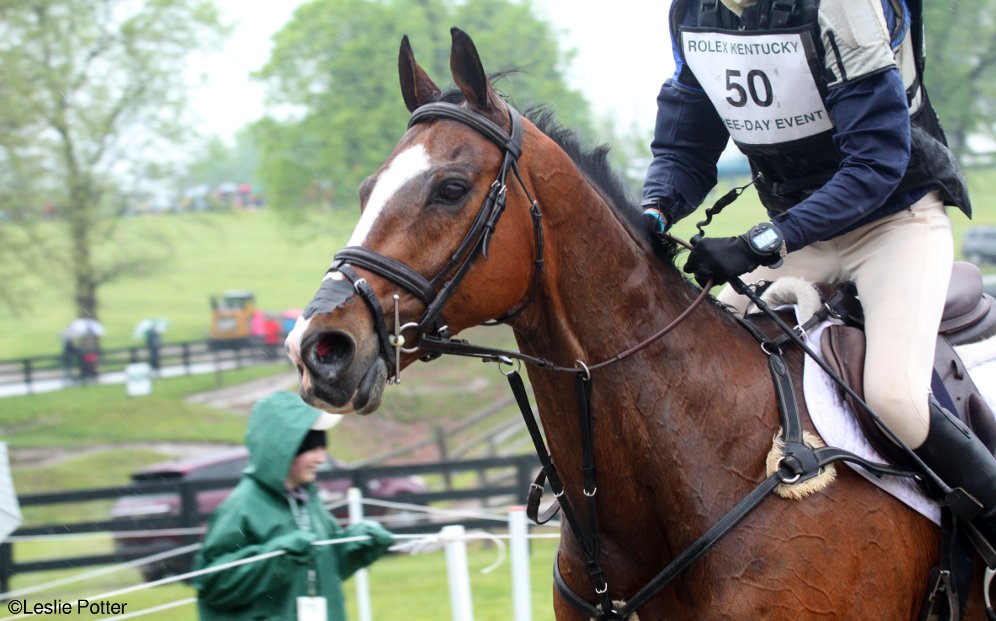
[453, 539]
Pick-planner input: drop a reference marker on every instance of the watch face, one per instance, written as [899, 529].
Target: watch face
[765, 239]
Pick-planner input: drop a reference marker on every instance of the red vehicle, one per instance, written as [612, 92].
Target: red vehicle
[227, 466]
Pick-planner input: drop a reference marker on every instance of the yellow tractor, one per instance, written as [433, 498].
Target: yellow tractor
[232, 319]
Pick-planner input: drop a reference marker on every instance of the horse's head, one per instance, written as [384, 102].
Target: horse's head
[432, 252]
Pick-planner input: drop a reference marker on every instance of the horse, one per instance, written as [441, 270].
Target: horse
[680, 426]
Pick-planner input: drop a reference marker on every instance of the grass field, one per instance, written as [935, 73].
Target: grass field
[281, 260]
[412, 588]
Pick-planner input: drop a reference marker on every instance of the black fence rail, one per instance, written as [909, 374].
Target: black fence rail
[516, 472]
[40, 373]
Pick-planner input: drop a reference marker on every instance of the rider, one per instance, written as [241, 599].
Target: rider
[825, 99]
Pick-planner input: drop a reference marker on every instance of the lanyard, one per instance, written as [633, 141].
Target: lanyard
[302, 518]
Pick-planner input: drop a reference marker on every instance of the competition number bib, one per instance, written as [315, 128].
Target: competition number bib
[760, 84]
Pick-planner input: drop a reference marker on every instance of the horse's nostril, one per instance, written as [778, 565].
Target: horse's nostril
[330, 348]
[331, 352]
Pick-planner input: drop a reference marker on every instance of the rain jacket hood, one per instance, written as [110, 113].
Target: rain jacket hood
[260, 517]
[276, 429]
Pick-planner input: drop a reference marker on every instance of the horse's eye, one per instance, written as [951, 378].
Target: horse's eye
[451, 192]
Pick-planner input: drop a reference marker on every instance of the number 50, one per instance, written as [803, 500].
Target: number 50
[755, 78]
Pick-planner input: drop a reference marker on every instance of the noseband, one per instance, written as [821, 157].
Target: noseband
[475, 243]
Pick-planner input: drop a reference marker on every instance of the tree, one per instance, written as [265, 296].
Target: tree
[218, 162]
[332, 77]
[92, 94]
[961, 68]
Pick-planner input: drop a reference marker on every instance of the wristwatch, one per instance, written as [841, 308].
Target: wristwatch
[767, 240]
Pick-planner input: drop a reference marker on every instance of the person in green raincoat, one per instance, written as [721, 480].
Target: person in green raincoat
[275, 508]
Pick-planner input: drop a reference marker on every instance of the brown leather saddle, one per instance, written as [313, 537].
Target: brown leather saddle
[969, 317]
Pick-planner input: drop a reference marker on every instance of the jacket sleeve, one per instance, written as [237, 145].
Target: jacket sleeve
[689, 137]
[870, 112]
[356, 555]
[871, 117]
[228, 540]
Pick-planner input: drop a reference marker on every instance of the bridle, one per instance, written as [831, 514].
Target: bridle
[475, 243]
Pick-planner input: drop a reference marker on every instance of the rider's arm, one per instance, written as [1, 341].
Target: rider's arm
[867, 103]
[688, 139]
[873, 136]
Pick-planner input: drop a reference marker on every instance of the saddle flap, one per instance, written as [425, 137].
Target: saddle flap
[844, 350]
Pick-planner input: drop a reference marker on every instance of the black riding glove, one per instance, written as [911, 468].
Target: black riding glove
[724, 258]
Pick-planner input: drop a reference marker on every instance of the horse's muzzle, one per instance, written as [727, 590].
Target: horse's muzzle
[338, 373]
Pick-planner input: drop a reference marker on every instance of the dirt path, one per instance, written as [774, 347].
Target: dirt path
[364, 434]
[237, 399]
[242, 397]
[47, 457]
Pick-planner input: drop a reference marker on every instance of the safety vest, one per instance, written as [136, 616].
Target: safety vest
[769, 84]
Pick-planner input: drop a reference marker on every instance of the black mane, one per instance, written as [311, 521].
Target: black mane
[594, 164]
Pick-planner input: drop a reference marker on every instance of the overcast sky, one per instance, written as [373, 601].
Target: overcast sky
[623, 56]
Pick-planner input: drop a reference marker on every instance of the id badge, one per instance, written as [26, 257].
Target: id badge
[311, 609]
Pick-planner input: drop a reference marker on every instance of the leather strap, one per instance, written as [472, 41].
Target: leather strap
[511, 143]
[392, 269]
[376, 311]
[701, 545]
[587, 539]
[533, 499]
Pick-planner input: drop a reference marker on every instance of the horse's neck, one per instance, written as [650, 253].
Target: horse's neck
[604, 292]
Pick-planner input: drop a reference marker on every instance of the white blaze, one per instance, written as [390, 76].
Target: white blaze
[404, 167]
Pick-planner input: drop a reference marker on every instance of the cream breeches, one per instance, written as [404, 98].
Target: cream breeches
[901, 265]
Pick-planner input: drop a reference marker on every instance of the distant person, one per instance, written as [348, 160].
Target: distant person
[89, 356]
[153, 342]
[272, 338]
[275, 507]
[70, 359]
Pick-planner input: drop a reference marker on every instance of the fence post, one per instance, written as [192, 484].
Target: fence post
[518, 544]
[185, 356]
[355, 499]
[523, 475]
[443, 457]
[189, 511]
[6, 566]
[27, 376]
[456, 567]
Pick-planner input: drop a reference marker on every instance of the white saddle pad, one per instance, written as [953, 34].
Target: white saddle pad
[838, 427]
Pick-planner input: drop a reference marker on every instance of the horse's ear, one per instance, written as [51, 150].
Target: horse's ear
[416, 86]
[468, 73]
